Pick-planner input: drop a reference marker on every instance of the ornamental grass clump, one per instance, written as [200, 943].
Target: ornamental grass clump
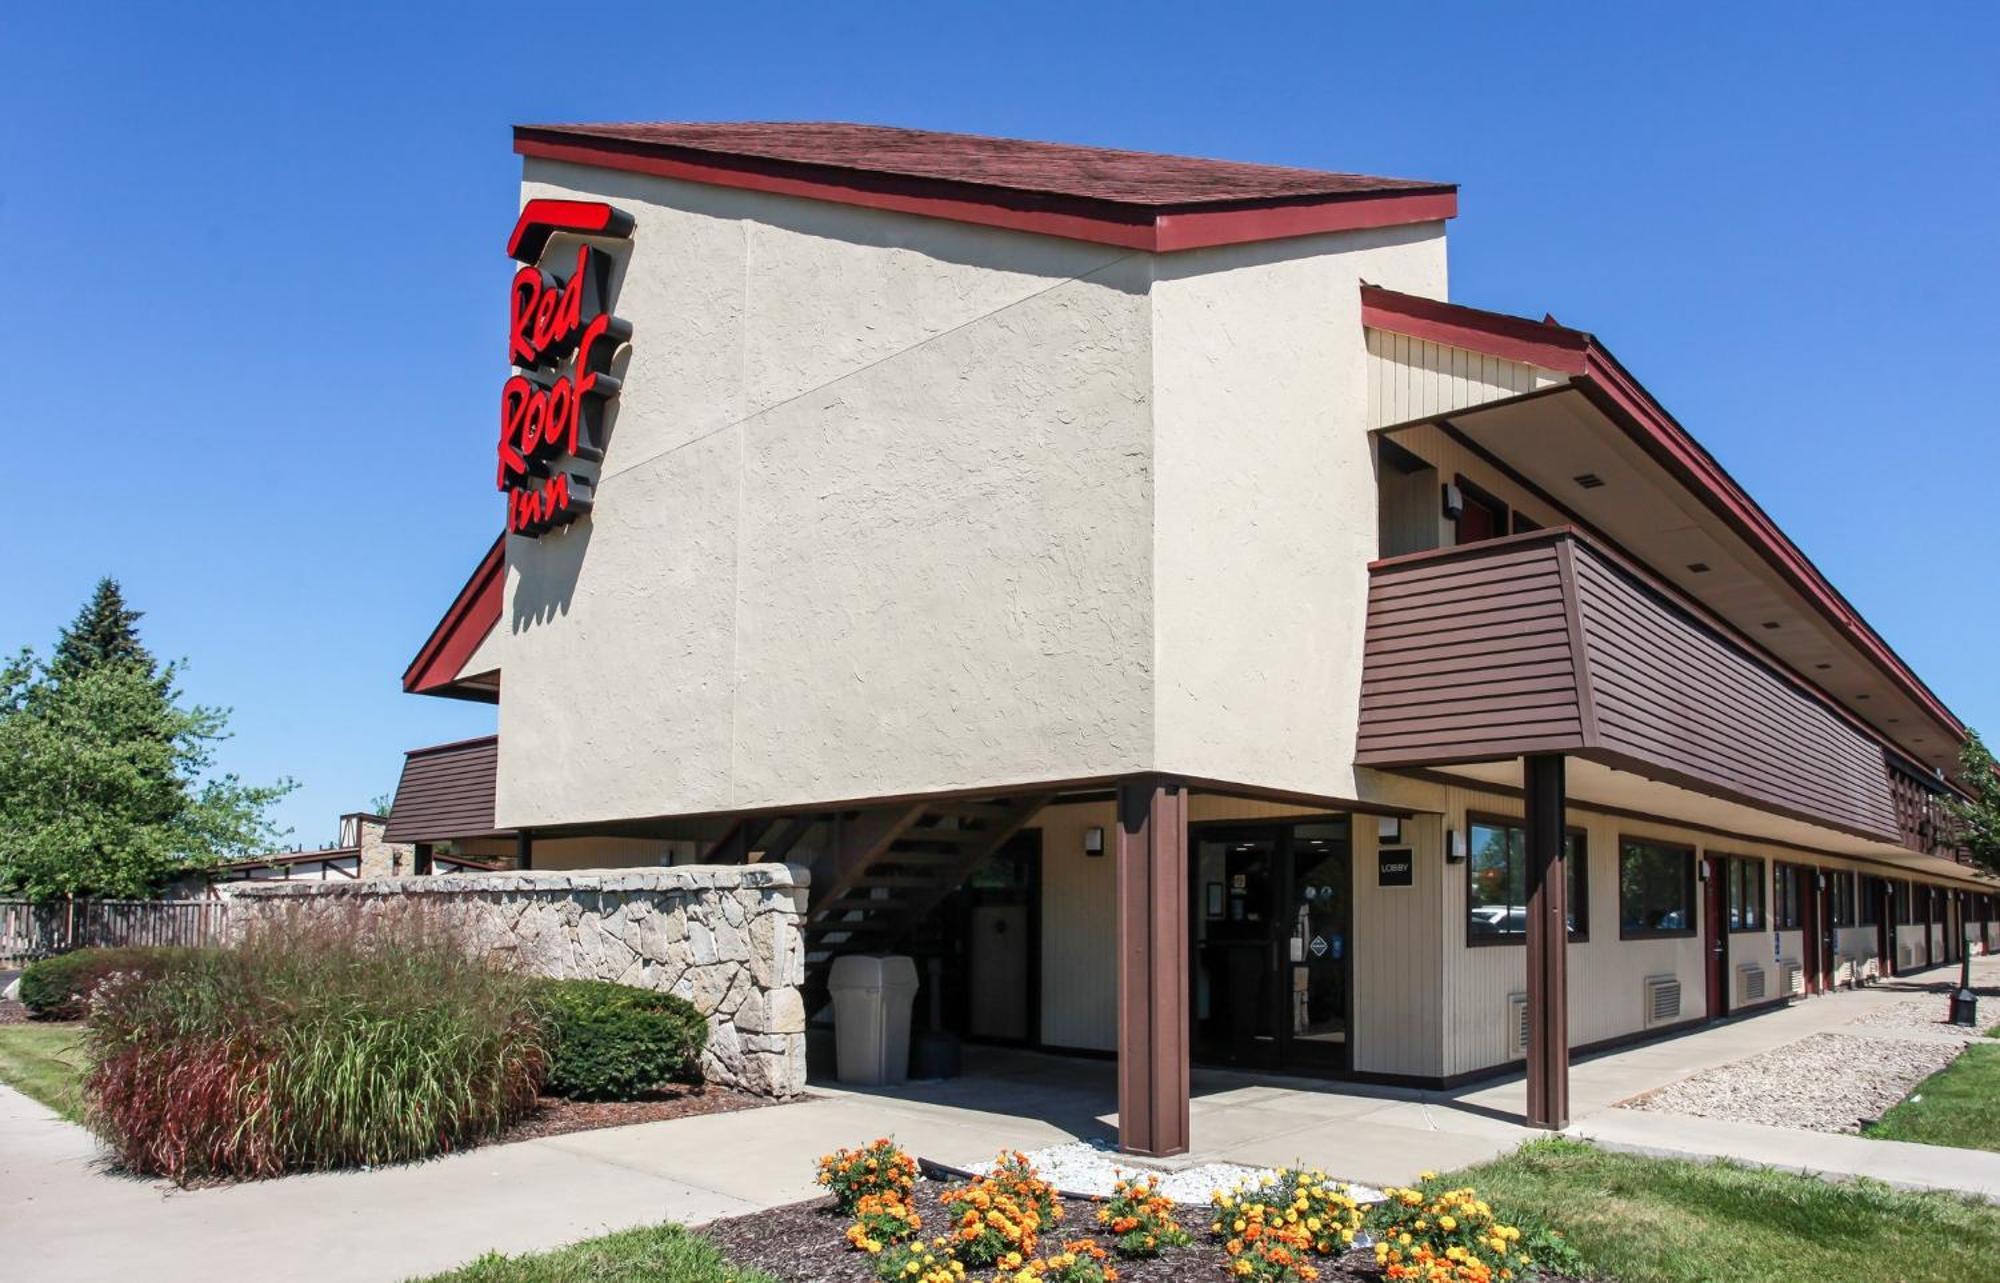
[322, 1041]
[1272, 1227]
[1141, 1219]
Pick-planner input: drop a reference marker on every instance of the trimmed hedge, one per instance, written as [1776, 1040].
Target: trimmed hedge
[60, 988]
[610, 1041]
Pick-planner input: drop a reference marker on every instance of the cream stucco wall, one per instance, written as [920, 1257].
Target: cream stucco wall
[1266, 500]
[893, 505]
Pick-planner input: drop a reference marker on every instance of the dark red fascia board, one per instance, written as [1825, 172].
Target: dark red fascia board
[450, 746]
[1626, 402]
[473, 614]
[1154, 229]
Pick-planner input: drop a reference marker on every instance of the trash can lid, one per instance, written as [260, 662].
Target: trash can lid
[873, 971]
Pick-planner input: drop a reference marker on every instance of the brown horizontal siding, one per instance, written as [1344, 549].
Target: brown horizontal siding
[446, 792]
[1673, 693]
[1545, 643]
[1471, 658]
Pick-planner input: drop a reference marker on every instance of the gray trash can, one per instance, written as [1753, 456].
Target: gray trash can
[871, 1017]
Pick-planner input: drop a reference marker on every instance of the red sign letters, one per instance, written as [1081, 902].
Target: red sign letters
[561, 338]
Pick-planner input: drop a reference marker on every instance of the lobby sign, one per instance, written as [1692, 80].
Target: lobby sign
[561, 338]
[1394, 867]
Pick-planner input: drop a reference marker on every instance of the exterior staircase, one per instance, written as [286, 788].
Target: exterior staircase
[888, 868]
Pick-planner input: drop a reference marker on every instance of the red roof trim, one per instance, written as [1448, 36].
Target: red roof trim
[1626, 402]
[1510, 338]
[473, 614]
[1157, 230]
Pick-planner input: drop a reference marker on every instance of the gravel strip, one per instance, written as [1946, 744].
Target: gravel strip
[1923, 1017]
[1825, 1083]
[1080, 1168]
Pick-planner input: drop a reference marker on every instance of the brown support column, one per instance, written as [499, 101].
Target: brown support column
[1152, 966]
[524, 849]
[1548, 944]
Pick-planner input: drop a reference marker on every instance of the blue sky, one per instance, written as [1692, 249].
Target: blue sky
[266, 407]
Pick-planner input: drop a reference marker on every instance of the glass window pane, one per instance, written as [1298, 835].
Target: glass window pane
[1652, 889]
[1496, 899]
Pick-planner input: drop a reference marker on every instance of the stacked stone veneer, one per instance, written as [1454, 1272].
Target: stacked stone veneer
[725, 937]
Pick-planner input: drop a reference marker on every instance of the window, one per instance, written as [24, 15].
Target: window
[1523, 525]
[1496, 873]
[1867, 906]
[1785, 908]
[1906, 904]
[1655, 889]
[1744, 876]
[1840, 897]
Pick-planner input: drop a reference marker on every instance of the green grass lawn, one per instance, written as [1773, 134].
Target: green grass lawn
[1959, 1105]
[1646, 1219]
[660, 1254]
[45, 1062]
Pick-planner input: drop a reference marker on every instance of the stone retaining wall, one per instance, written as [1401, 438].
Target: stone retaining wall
[725, 937]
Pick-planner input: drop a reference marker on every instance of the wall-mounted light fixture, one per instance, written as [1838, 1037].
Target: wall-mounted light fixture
[1454, 502]
[1093, 841]
[1389, 828]
[1454, 847]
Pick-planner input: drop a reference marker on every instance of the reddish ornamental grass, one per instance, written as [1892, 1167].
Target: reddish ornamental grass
[331, 1040]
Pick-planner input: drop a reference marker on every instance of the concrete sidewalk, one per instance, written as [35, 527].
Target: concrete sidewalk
[63, 1218]
[1894, 1162]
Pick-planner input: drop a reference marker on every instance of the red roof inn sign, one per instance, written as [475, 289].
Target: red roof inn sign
[560, 340]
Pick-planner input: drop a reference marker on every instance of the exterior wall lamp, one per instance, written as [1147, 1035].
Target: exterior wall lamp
[1454, 846]
[1093, 841]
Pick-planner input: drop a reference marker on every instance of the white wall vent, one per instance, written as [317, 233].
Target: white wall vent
[1906, 955]
[1663, 1000]
[1793, 977]
[1750, 983]
[1517, 1026]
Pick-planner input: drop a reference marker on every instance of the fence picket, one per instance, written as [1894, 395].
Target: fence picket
[29, 931]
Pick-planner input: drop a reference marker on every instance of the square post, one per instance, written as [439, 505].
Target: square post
[1152, 966]
[1548, 943]
[524, 849]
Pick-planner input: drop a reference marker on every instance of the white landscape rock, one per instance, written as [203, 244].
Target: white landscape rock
[1079, 1168]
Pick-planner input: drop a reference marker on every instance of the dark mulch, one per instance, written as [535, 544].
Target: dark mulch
[12, 1013]
[554, 1116]
[805, 1243]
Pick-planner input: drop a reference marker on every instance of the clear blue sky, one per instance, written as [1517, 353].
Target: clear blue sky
[268, 410]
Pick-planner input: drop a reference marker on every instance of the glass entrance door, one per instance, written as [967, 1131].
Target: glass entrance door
[1272, 908]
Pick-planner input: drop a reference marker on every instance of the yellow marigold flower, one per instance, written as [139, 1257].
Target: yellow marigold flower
[1448, 1223]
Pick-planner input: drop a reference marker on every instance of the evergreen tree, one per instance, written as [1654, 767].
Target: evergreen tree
[105, 631]
[104, 775]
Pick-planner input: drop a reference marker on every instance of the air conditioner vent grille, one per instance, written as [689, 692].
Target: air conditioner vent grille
[1663, 1000]
[1750, 983]
[1517, 1026]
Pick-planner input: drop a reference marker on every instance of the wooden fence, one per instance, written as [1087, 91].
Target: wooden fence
[30, 931]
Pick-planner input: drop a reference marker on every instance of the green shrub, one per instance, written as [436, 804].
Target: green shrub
[320, 1042]
[59, 988]
[613, 1042]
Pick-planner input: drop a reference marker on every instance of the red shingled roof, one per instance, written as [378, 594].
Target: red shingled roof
[1139, 199]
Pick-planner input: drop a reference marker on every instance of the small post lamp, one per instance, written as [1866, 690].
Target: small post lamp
[1964, 1002]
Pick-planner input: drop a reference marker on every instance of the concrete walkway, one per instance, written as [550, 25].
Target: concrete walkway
[63, 1218]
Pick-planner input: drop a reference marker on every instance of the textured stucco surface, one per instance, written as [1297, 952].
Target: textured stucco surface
[895, 505]
[875, 516]
[725, 937]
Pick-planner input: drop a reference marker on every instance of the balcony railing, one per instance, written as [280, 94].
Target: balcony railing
[1550, 643]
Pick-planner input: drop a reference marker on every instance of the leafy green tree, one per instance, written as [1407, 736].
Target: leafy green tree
[105, 785]
[1978, 817]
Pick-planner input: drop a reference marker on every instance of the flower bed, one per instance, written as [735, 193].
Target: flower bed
[886, 1224]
